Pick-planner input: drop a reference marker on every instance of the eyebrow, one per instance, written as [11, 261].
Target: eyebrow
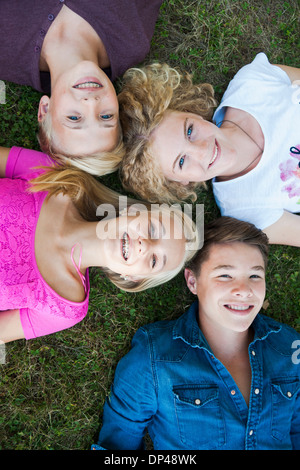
[164, 260]
[180, 155]
[229, 266]
[80, 127]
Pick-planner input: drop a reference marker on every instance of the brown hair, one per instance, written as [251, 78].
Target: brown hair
[229, 230]
[146, 95]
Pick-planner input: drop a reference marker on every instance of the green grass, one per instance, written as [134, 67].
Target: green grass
[52, 389]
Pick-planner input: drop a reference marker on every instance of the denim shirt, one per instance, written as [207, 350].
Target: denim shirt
[171, 383]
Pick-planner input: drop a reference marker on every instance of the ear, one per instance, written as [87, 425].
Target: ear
[43, 107]
[190, 280]
[130, 278]
[184, 183]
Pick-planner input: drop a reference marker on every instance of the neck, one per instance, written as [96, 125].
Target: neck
[69, 41]
[227, 345]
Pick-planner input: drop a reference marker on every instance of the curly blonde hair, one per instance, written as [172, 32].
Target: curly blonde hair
[147, 94]
[97, 164]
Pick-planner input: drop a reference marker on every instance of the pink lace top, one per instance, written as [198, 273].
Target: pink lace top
[42, 311]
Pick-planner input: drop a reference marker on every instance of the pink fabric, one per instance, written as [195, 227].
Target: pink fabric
[22, 287]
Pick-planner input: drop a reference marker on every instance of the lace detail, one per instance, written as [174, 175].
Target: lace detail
[21, 283]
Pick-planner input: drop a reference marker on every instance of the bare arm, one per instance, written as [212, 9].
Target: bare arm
[292, 72]
[4, 151]
[286, 231]
[10, 326]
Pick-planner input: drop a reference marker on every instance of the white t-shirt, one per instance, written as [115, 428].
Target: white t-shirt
[260, 196]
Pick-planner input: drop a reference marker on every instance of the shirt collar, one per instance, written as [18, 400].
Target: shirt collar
[187, 328]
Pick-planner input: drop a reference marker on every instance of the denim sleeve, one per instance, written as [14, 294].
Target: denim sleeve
[295, 428]
[132, 400]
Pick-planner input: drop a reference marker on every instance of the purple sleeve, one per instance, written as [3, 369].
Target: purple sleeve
[23, 163]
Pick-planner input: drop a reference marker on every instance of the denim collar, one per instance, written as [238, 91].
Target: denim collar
[187, 328]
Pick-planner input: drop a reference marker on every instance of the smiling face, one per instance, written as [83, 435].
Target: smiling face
[142, 245]
[191, 149]
[230, 287]
[84, 111]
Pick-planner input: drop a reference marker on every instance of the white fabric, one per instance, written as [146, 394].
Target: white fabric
[260, 196]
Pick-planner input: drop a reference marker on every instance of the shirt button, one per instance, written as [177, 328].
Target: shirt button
[42, 32]
[197, 401]
[253, 353]
[232, 392]
[51, 17]
[256, 391]
[289, 394]
[37, 48]
[251, 432]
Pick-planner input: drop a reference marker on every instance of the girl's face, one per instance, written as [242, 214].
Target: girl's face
[84, 111]
[141, 245]
[191, 149]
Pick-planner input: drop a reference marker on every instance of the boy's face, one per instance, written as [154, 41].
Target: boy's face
[230, 287]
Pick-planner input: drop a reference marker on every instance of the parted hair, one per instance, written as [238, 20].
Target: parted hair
[229, 230]
[87, 194]
[146, 95]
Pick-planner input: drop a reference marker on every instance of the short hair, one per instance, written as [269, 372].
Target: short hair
[147, 94]
[229, 230]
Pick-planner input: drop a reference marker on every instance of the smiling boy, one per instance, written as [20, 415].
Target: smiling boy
[219, 377]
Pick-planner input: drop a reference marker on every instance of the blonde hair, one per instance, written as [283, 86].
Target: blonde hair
[146, 95]
[87, 194]
[97, 164]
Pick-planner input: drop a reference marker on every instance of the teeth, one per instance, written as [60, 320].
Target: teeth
[214, 156]
[125, 246]
[88, 85]
[240, 307]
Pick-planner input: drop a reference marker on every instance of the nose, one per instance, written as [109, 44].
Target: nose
[242, 289]
[143, 246]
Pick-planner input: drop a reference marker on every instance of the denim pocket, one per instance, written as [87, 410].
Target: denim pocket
[199, 416]
[284, 392]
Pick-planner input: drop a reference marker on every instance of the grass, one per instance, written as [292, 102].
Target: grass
[52, 389]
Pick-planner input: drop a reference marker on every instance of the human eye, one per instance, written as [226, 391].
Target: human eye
[153, 231]
[189, 130]
[73, 118]
[224, 276]
[106, 117]
[181, 162]
[256, 276]
[153, 261]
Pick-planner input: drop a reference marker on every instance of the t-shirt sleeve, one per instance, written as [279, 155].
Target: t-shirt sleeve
[35, 323]
[23, 163]
[261, 69]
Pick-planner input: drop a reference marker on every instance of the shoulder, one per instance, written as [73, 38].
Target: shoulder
[24, 163]
[285, 340]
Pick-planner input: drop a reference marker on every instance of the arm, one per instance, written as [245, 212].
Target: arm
[132, 401]
[4, 151]
[286, 231]
[10, 326]
[292, 72]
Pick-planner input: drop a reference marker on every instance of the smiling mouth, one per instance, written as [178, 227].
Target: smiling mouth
[125, 246]
[246, 308]
[216, 152]
[88, 85]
